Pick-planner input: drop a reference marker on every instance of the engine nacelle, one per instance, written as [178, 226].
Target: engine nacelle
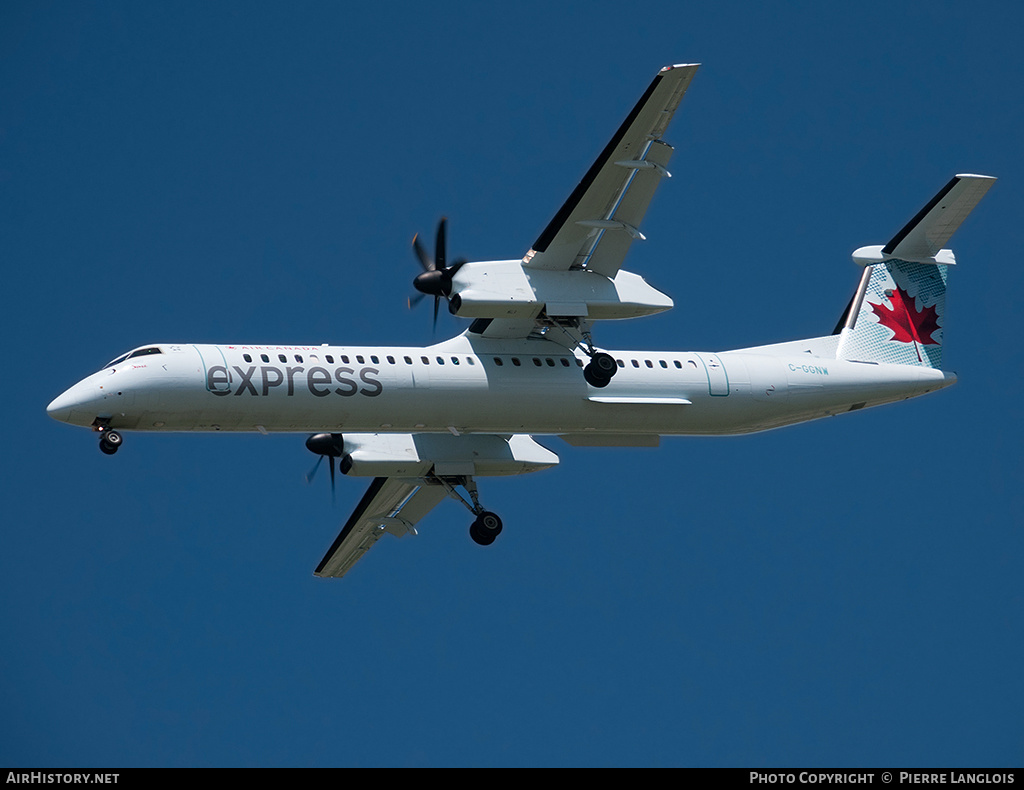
[415, 455]
[508, 289]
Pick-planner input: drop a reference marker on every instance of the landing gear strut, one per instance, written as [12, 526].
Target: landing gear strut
[602, 366]
[486, 526]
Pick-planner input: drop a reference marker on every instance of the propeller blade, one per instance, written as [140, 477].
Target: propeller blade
[439, 254]
[330, 462]
[312, 472]
[415, 299]
[421, 254]
[436, 278]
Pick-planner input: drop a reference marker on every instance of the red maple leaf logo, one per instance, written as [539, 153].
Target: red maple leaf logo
[908, 324]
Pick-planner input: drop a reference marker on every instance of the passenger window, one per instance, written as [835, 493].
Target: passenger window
[391, 360]
[649, 363]
[344, 359]
[247, 357]
[565, 362]
[621, 363]
[515, 361]
[455, 360]
[664, 364]
[498, 362]
[408, 360]
[440, 360]
[678, 364]
[282, 358]
[550, 361]
[424, 360]
[359, 359]
[537, 362]
[635, 363]
[470, 360]
[298, 357]
[330, 359]
[264, 357]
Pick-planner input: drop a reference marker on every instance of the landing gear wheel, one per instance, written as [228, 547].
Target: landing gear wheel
[485, 528]
[600, 370]
[110, 441]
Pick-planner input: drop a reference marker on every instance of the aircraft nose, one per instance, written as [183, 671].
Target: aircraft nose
[60, 407]
[79, 404]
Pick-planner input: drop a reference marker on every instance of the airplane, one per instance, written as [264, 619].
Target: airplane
[425, 422]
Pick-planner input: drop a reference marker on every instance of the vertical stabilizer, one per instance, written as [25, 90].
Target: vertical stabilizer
[898, 312]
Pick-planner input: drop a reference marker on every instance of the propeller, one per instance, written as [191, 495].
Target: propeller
[326, 445]
[436, 278]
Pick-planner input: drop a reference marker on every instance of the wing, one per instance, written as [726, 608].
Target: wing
[391, 504]
[600, 220]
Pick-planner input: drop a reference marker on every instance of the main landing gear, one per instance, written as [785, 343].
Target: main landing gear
[486, 526]
[600, 369]
[602, 366]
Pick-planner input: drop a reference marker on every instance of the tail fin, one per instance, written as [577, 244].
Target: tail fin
[897, 314]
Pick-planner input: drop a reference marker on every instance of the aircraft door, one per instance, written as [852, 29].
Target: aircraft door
[213, 357]
[718, 378]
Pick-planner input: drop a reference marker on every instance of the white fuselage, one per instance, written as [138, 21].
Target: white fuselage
[477, 385]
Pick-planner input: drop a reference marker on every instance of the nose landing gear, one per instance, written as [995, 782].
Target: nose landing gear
[110, 440]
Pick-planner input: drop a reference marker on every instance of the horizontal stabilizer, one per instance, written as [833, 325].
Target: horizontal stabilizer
[928, 232]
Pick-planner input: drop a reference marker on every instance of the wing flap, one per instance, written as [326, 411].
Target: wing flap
[390, 504]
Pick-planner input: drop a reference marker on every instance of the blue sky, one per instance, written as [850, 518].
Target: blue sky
[842, 593]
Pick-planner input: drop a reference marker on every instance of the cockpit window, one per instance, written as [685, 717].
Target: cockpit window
[132, 354]
[142, 352]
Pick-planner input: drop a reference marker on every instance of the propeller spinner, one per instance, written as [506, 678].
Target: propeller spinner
[329, 445]
[436, 278]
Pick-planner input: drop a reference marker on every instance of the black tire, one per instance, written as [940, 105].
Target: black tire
[109, 449]
[593, 376]
[112, 438]
[604, 365]
[485, 528]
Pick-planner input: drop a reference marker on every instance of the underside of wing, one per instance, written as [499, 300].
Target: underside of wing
[599, 221]
[390, 505]
[412, 473]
